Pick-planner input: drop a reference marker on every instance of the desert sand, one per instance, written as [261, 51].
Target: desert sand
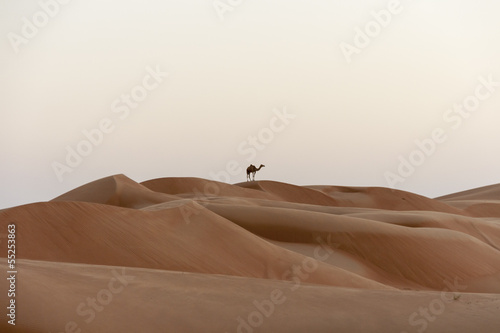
[195, 255]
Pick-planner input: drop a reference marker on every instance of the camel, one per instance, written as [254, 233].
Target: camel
[251, 170]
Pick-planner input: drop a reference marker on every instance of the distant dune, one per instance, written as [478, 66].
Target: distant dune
[483, 201]
[194, 255]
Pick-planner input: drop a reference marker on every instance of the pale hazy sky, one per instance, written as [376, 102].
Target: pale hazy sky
[69, 68]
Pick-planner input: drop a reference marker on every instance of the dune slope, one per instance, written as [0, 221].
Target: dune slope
[123, 299]
[168, 239]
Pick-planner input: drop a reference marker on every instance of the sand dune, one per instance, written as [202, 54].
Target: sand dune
[201, 188]
[205, 256]
[171, 239]
[56, 295]
[491, 192]
[291, 193]
[405, 253]
[485, 230]
[482, 201]
[118, 190]
[384, 198]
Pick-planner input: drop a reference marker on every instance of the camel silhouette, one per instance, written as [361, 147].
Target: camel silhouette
[251, 170]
